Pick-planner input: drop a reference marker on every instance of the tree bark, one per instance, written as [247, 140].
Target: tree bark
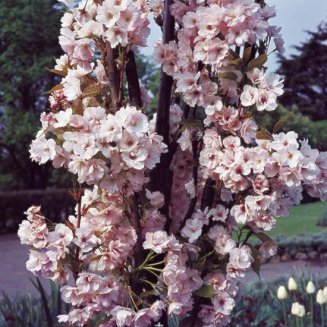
[134, 90]
[161, 177]
[112, 74]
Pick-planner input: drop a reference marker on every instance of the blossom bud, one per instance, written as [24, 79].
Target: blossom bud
[298, 310]
[321, 298]
[281, 293]
[292, 286]
[310, 288]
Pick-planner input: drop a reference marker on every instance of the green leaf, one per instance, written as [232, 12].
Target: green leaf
[206, 291]
[55, 88]
[236, 62]
[44, 301]
[91, 90]
[148, 293]
[62, 73]
[12, 309]
[264, 135]
[247, 54]
[228, 75]
[200, 265]
[257, 62]
[192, 122]
[280, 124]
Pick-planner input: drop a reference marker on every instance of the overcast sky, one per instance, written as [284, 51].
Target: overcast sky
[297, 16]
[294, 16]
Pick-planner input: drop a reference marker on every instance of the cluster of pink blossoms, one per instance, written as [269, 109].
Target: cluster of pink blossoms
[110, 150]
[202, 52]
[135, 254]
[93, 23]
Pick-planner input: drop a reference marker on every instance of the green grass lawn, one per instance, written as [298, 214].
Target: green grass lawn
[302, 220]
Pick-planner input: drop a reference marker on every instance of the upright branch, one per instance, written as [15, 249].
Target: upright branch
[112, 75]
[161, 177]
[166, 82]
[134, 90]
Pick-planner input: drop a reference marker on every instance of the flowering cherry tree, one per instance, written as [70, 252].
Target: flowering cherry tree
[165, 207]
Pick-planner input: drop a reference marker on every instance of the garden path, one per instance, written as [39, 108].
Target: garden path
[15, 278]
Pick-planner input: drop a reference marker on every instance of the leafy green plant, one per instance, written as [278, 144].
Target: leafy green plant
[30, 311]
[260, 307]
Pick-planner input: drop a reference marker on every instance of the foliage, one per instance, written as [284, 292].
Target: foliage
[28, 44]
[18, 129]
[260, 307]
[57, 204]
[306, 74]
[149, 73]
[29, 311]
[294, 119]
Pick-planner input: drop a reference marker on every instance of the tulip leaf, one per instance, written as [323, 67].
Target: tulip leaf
[44, 301]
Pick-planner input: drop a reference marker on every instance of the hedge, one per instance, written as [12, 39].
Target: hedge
[56, 205]
[301, 247]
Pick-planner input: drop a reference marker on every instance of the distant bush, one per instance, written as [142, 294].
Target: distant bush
[315, 131]
[299, 247]
[56, 205]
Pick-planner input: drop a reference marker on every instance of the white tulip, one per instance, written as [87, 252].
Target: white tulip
[321, 298]
[292, 286]
[281, 293]
[298, 310]
[325, 292]
[310, 288]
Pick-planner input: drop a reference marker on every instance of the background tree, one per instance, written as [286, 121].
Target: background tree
[306, 75]
[28, 44]
[149, 74]
[293, 119]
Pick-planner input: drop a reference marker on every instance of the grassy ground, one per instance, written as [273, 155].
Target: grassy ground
[302, 220]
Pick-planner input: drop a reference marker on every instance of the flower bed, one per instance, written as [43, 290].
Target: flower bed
[282, 303]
